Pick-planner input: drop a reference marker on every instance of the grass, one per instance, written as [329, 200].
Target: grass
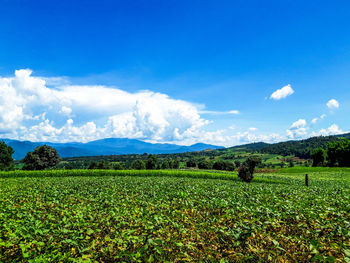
[174, 216]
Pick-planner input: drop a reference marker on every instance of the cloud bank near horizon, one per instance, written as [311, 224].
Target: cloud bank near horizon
[39, 109]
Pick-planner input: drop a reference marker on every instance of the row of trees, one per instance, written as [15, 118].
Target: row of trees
[41, 158]
[336, 154]
[44, 157]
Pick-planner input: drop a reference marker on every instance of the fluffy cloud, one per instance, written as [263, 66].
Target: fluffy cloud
[297, 130]
[30, 109]
[282, 93]
[331, 130]
[333, 104]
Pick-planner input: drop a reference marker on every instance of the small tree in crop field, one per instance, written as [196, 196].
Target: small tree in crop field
[43, 157]
[6, 160]
[246, 171]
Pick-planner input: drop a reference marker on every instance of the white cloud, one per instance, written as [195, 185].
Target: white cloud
[65, 110]
[315, 120]
[298, 124]
[333, 104]
[234, 112]
[331, 130]
[29, 109]
[282, 93]
[253, 129]
[297, 130]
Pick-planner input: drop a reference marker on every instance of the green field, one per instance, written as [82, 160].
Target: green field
[175, 216]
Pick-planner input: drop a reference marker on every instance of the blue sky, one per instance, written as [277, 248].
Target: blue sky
[174, 71]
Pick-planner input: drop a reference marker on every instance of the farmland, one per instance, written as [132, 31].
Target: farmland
[175, 216]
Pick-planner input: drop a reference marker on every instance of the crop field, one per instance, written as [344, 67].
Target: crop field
[174, 216]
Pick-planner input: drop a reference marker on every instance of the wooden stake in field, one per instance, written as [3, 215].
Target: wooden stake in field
[306, 179]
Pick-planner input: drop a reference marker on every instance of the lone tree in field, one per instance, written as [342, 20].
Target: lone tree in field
[246, 171]
[6, 161]
[43, 157]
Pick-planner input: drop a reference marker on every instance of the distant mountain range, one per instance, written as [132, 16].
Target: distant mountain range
[111, 146]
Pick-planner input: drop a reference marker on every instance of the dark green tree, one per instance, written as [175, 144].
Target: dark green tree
[219, 165]
[191, 163]
[165, 165]
[138, 165]
[151, 162]
[100, 165]
[117, 166]
[43, 157]
[6, 160]
[339, 153]
[174, 164]
[204, 164]
[318, 156]
[246, 171]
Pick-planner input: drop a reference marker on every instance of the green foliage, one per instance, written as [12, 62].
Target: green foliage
[339, 153]
[151, 162]
[191, 163]
[301, 148]
[246, 171]
[43, 157]
[102, 165]
[138, 165]
[6, 161]
[318, 156]
[165, 216]
[165, 165]
[223, 165]
[204, 164]
[117, 166]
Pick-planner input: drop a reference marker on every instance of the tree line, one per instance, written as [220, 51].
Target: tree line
[336, 154]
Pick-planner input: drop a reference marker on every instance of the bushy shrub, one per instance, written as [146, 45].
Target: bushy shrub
[223, 165]
[191, 163]
[246, 171]
[151, 162]
[204, 164]
[43, 157]
[138, 165]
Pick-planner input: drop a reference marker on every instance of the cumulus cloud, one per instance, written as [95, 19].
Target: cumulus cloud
[297, 130]
[333, 104]
[331, 130]
[30, 109]
[282, 93]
